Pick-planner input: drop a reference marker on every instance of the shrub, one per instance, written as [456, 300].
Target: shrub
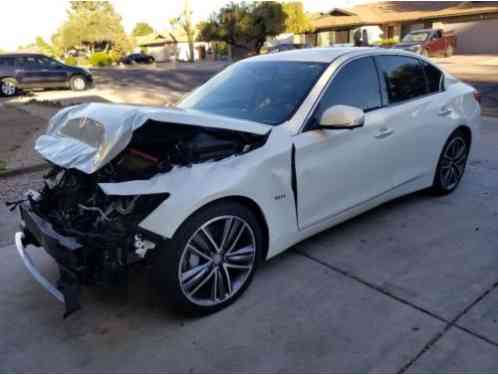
[70, 60]
[100, 59]
[387, 42]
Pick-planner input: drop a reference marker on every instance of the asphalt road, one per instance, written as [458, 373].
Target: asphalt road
[410, 286]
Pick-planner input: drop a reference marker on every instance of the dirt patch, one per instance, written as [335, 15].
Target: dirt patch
[18, 130]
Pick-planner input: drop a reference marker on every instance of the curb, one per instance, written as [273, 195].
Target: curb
[18, 171]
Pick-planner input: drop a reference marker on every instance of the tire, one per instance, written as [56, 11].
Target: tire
[78, 83]
[8, 87]
[451, 165]
[190, 273]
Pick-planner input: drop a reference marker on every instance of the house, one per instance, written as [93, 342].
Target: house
[475, 23]
[171, 46]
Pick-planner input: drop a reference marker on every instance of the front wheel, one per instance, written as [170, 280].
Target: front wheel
[211, 260]
[451, 165]
[78, 83]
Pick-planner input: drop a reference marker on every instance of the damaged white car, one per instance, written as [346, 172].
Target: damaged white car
[269, 152]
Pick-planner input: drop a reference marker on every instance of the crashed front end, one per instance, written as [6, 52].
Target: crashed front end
[95, 236]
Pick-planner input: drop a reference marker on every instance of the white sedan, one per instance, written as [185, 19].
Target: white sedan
[271, 151]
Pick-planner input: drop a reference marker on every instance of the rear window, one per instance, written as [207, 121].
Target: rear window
[434, 78]
[404, 77]
[6, 61]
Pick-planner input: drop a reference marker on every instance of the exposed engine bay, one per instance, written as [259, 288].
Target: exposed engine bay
[71, 208]
[76, 206]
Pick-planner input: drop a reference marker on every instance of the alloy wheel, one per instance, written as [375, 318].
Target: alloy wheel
[453, 163]
[217, 260]
[8, 88]
[79, 84]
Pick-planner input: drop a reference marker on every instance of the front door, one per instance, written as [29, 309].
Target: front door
[337, 170]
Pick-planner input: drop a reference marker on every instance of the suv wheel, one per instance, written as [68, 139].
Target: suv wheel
[78, 83]
[211, 260]
[8, 87]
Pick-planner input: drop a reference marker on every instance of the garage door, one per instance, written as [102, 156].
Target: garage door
[475, 37]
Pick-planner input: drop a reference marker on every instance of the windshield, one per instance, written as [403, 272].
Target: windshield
[416, 37]
[269, 92]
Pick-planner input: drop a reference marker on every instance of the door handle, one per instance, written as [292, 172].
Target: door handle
[384, 133]
[445, 111]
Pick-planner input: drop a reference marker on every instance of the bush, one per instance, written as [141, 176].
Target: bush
[100, 59]
[387, 42]
[70, 60]
[115, 56]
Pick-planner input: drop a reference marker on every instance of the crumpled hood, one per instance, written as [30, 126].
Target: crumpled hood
[88, 136]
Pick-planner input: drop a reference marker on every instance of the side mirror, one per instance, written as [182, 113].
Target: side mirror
[342, 117]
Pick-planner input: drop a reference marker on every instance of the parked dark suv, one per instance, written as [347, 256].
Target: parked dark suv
[34, 71]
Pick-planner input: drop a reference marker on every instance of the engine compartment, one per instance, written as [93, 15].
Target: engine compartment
[157, 148]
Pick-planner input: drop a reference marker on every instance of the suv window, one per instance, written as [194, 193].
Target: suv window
[29, 62]
[434, 78]
[404, 77]
[356, 85]
[6, 61]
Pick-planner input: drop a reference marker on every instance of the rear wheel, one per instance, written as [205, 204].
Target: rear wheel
[78, 83]
[452, 163]
[8, 87]
[212, 258]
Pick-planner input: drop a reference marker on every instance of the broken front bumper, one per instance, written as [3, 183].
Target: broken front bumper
[38, 232]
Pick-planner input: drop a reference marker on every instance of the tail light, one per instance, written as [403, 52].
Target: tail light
[477, 96]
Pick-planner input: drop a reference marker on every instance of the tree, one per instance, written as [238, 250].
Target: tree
[297, 21]
[44, 47]
[141, 29]
[245, 25]
[185, 25]
[91, 25]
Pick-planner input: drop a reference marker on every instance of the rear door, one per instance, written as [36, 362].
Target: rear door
[54, 72]
[418, 111]
[337, 170]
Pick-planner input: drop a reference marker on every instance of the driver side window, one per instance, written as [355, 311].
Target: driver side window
[355, 85]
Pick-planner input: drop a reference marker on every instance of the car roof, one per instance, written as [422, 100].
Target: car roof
[20, 54]
[318, 55]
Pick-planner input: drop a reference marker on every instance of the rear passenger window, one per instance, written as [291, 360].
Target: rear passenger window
[404, 77]
[355, 85]
[6, 61]
[434, 78]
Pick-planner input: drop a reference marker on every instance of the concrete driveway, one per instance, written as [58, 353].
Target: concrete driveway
[407, 287]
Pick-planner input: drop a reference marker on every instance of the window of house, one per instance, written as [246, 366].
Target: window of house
[390, 32]
[404, 77]
[356, 85]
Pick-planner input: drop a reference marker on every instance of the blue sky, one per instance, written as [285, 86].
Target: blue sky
[30, 18]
